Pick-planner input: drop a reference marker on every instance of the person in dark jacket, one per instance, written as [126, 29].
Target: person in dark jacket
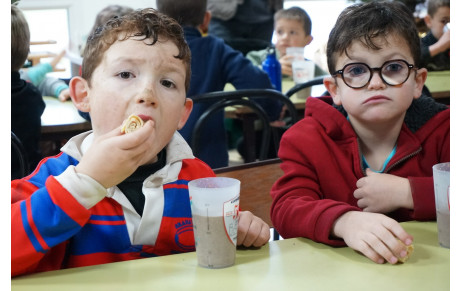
[27, 105]
[214, 64]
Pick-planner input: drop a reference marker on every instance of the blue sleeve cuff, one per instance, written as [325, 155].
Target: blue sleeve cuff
[59, 88]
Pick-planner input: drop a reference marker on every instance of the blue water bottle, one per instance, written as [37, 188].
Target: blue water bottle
[273, 68]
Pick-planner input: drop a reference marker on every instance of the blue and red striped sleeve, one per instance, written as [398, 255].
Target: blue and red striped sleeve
[43, 215]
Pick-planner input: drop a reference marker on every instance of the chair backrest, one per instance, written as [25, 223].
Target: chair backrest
[19, 159]
[222, 99]
[311, 83]
[257, 179]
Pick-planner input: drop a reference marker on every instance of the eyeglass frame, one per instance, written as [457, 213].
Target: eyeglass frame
[372, 70]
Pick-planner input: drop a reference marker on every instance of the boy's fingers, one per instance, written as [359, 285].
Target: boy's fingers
[369, 252]
[398, 231]
[243, 226]
[133, 139]
[380, 248]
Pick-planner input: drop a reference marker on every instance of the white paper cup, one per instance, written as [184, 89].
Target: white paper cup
[215, 208]
[441, 180]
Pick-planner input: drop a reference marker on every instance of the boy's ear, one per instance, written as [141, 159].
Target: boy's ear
[427, 20]
[79, 93]
[185, 113]
[420, 78]
[308, 39]
[331, 85]
[204, 25]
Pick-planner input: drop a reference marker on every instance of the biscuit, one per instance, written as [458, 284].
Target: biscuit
[409, 250]
[132, 123]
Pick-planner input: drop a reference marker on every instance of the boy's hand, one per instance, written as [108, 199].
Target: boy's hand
[441, 45]
[383, 193]
[64, 95]
[115, 156]
[252, 230]
[286, 65]
[374, 235]
[444, 41]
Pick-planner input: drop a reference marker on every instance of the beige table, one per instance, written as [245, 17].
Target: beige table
[60, 121]
[292, 264]
[439, 85]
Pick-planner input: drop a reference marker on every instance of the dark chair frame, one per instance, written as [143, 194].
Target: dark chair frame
[311, 83]
[224, 99]
[18, 148]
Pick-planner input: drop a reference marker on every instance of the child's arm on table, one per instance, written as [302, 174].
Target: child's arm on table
[374, 235]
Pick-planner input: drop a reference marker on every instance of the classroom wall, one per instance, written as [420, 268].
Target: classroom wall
[82, 13]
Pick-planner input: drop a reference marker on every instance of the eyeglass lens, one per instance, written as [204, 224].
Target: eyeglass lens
[392, 72]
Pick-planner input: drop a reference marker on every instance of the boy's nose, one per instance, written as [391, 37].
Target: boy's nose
[148, 97]
[376, 81]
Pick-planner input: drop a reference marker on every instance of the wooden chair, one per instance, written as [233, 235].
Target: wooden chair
[257, 179]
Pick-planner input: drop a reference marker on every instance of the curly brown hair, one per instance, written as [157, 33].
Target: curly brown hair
[147, 23]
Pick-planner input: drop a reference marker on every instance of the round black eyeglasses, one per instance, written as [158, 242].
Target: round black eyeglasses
[358, 75]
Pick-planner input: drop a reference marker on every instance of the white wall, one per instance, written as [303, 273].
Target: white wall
[82, 13]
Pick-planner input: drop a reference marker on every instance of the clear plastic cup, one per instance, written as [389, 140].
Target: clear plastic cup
[303, 71]
[215, 207]
[441, 181]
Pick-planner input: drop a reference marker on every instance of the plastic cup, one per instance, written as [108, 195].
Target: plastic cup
[297, 52]
[215, 208]
[441, 180]
[303, 71]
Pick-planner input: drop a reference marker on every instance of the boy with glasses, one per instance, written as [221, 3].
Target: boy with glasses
[354, 168]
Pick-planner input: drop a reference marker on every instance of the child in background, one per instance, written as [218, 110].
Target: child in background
[110, 196]
[214, 64]
[354, 168]
[436, 44]
[105, 15]
[27, 105]
[292, 29]
[48, 86]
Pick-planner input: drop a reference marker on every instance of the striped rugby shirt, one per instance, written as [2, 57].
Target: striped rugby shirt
[61, 219]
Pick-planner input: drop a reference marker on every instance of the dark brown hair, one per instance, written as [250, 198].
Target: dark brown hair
[148, 23]
[295, 13]
[20, 39]
[368, 22]
[432, 6]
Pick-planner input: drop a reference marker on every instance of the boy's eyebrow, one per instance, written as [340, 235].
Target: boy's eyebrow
[136, 60]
